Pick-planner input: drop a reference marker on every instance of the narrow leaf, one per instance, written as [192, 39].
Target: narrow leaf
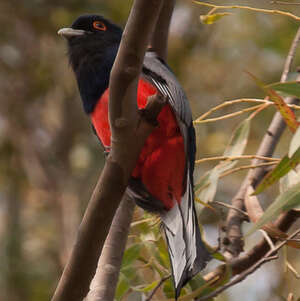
[291, 88]
[131, 254]
[122, 287]
[279, 171]
[219, 256]
[284, 202]
[284, 166]
[286, 113]
[295, 143]
[145, 288]
[238, 140]
[236, 147]
[204, 181]
[208, 194]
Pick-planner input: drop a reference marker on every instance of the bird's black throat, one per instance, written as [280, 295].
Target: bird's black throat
[92, 57]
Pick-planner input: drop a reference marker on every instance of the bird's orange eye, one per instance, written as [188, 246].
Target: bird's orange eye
[99, 25]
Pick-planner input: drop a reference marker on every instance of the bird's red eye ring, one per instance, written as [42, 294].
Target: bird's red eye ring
[99, 25]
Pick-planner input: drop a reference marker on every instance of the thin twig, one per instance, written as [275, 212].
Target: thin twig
[159, 284]
[234, 114]
[293, 270]
[233, 170]
[241, 100]
[228, 103]
[268, 257]
[232, 158]
[283, 3]
[253, 114]
[231, 207]
[260, 10]
[266, 148]
[267, 238]
[146, 220]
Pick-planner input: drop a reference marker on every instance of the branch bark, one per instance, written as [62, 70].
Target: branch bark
[104, 283]
[253, 258]
[268, 257]
[159, 40]
[128, 129]
[234, 238]
[105, 280]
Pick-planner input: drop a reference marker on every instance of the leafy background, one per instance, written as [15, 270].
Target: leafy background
[50, 160]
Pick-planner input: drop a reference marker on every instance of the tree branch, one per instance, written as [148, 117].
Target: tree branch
[267, 147]
[129, 132]
[254, 258]
[104, 283]
[159, 41]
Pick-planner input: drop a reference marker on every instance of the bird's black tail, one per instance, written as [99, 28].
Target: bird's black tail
[187, 252]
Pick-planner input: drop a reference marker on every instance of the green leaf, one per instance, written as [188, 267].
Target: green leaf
[122, 287]
[279, 171]
[284, 166]
[291, 88]
[197, 282]
[169, 289]
[163, 255]
[295, 143]
[238, 140]
[235, 147]
[145, 288]
[219, 256]
[131, 254]
[285, 201]
[291, 179]
[208, 193]
[212, 18]
[204, 181]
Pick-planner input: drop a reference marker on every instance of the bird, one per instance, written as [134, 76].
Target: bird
[162, 180]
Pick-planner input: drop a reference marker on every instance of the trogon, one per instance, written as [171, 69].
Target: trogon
[162, 181]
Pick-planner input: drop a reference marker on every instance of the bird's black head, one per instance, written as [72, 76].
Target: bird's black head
[93, 43]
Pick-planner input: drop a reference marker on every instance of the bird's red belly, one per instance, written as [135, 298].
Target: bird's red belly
[161, 164]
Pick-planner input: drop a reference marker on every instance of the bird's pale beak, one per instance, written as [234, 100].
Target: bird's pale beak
[70, 32]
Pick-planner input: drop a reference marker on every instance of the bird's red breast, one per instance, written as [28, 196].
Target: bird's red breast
[161, 164]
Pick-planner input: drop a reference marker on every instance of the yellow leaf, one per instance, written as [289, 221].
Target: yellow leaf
[210, 19]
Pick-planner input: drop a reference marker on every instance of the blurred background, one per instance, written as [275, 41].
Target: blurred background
[50, 160]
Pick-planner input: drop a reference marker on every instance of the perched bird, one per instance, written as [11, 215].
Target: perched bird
[162, 181]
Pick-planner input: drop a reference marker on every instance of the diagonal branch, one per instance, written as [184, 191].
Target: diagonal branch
[128, 129]
[244, 264]
[105, 280]
[104, 283]
[159, 41]
[268, 257]
[267, 147]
